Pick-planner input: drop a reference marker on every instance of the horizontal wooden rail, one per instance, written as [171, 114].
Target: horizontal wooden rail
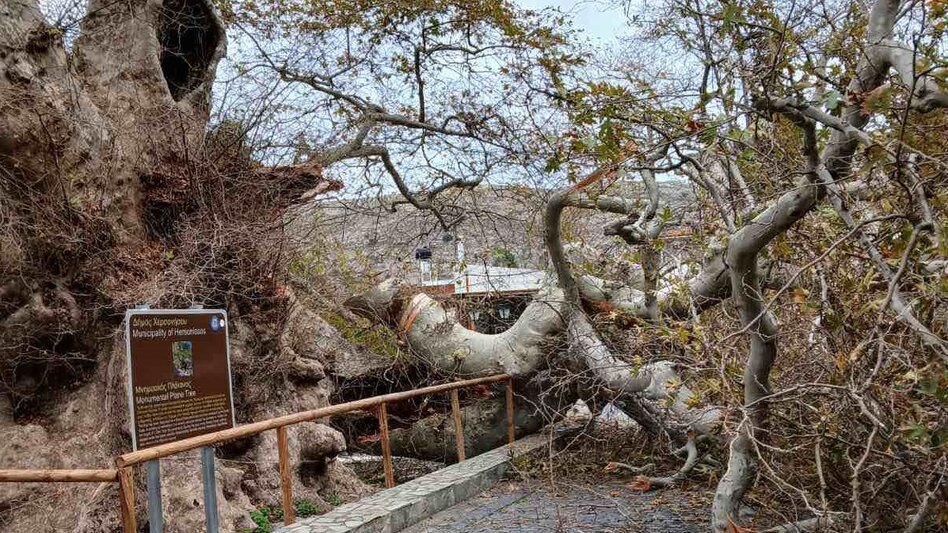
[247, 430]
[124, 463]
[63, 476]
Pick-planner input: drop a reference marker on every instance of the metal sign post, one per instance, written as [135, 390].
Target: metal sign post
[156, 519]
[209, 481]
[210, 489]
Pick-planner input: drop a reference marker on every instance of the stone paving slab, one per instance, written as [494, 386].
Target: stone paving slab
[536, 507]
[396, 508]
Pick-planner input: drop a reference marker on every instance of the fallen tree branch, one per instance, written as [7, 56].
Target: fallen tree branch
[645, 483]
[615, 467]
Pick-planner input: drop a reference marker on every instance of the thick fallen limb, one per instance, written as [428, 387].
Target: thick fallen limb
[440, 341]
[585, 345]
[707, 288]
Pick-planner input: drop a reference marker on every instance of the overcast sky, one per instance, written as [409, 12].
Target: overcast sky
[601, 21]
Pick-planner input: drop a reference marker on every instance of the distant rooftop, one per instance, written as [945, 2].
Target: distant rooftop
[482, 279]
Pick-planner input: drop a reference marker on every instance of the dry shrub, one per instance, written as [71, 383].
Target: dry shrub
[214, 235]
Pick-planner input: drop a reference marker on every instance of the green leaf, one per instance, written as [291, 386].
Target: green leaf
[731, 15]
[832, 99]
[552, 165]
[918, 433]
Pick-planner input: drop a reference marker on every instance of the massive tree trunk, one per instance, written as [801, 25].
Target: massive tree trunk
[441, 342]
[530, 345]
[94, 145]
[131, 98]
[107, 200]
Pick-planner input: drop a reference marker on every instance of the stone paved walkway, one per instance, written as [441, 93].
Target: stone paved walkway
[399, 507]
[536, 508]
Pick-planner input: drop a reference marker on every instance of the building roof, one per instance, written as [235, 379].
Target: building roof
[483, 279]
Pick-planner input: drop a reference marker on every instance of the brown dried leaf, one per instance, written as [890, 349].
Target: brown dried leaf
[641, 483]
[734, 528]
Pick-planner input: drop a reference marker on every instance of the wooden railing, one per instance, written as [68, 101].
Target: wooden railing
[124, 475]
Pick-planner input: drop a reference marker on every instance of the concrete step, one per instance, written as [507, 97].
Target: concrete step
[399, 507]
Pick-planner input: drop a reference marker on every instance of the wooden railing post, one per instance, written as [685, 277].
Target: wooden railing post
[386, 446]
[511, 429]
[126, 478]
[286, 478]
[458, 427]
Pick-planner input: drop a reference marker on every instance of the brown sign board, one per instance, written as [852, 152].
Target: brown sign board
[179, 382]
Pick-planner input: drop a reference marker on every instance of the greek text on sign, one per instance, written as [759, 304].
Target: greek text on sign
[178, 374]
